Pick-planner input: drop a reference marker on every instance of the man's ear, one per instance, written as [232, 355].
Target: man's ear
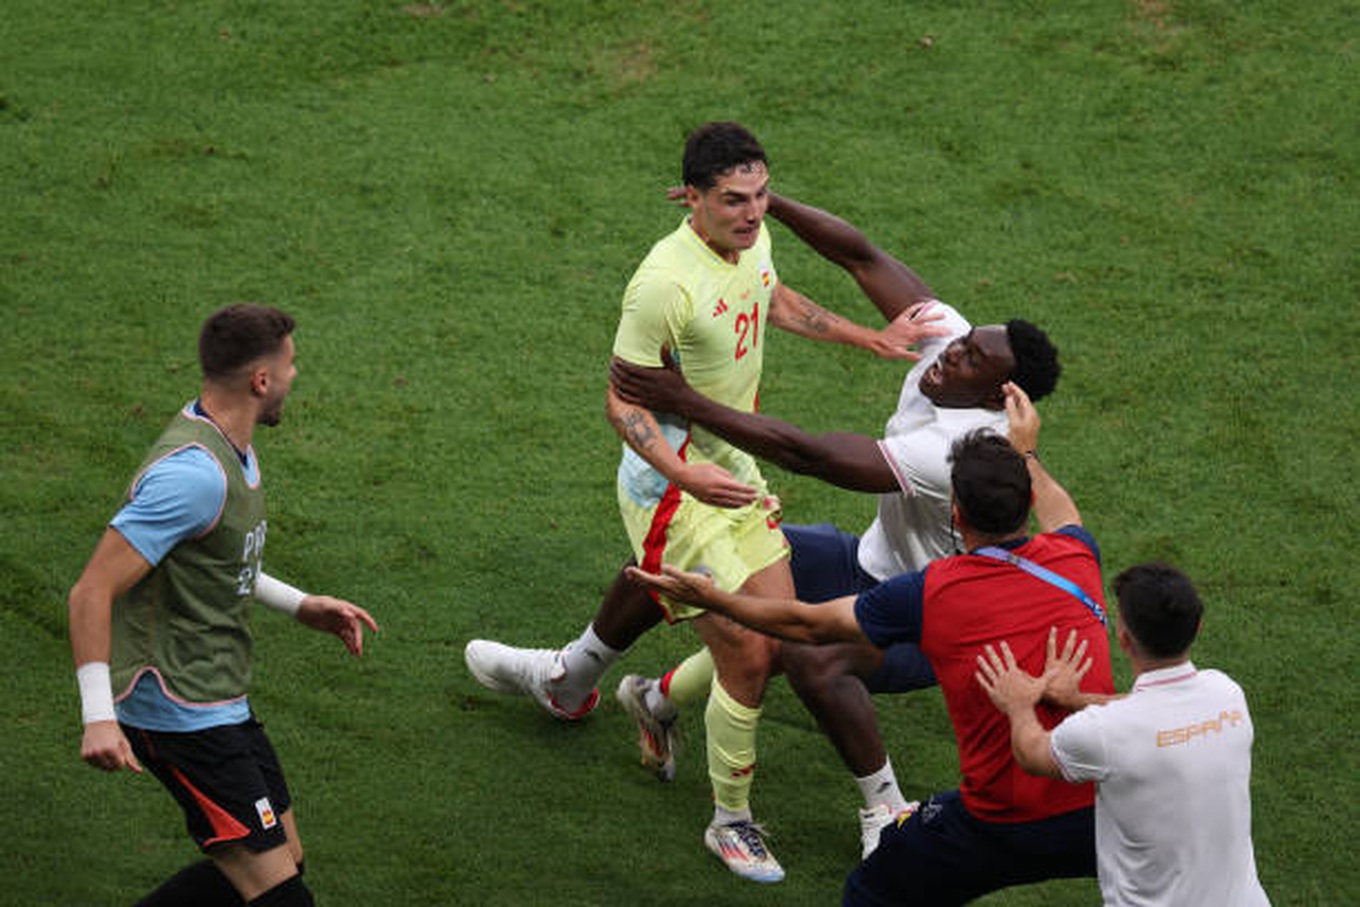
[1127, 645]
[259, 381]
[956, 514]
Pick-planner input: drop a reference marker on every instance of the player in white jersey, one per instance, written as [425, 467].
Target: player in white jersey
[1171, 760]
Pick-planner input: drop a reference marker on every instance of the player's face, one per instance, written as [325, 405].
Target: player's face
[970, 370]
[280, 370]
[729, 214]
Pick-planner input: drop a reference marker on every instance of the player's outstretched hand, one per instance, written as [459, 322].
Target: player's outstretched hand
[678, 195]
[1064, 670]
[907, 330]
[338, 617]
[688, 586]
[104, 746]
[1009, 686]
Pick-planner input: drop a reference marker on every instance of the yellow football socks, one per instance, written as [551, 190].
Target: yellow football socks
[691, 678]
[731, 736]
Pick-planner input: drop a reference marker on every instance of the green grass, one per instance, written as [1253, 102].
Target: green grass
[450, 198]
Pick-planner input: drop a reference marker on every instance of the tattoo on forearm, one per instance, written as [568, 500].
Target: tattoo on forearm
[637, 429]
[798, 311]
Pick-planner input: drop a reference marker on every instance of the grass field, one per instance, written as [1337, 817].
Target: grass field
[450, 198]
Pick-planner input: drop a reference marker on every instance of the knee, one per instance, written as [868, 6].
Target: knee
[749, 664]
[810, 668]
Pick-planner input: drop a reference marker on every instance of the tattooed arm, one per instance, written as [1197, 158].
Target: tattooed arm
[639, 429]
[799, 315]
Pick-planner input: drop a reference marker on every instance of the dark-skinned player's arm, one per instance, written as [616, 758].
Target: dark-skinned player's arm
[708, 482]
[847, 460]
[891, 286]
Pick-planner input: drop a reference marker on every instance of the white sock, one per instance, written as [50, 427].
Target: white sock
[584, 661]
[730, 816]
[657, 703]
[881, 788]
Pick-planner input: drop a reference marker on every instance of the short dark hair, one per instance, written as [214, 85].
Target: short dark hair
[715, 148]
[240, 334]
[1159, 606]
[990, 481]
[1036, 359]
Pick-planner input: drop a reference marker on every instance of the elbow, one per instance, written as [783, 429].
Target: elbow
[612, 406]
[1030, 766]
[74, 598]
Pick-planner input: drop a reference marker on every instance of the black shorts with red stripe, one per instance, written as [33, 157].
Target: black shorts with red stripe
[227, 780]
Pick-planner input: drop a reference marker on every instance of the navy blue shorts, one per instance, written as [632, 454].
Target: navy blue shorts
[941, 854]
[227, 780]
[825, 565]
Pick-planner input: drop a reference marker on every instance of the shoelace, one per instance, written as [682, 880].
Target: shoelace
[749, 833]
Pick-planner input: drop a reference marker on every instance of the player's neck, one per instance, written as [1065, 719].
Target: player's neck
[1141, 664]
[235, 419]
[972, 540]
[731, 256]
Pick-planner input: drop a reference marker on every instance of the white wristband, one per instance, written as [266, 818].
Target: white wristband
[96, 692]
[278, 595]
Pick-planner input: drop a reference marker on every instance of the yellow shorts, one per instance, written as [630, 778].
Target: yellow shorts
[686, 533]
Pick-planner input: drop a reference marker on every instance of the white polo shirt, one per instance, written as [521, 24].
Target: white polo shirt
[1172, 761]
[912, 527]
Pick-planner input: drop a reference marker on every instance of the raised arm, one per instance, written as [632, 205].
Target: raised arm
[1053, 506]
[795, 313]
[846, 460]
[893, 287]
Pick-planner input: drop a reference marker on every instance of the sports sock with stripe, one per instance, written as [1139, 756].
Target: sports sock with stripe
[690, 679]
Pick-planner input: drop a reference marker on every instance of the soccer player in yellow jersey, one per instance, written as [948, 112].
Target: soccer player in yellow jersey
[701, 297]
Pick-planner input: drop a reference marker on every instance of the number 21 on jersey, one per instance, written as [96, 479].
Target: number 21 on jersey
[747, 327]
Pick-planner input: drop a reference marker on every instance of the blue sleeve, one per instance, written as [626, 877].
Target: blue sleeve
[1081, 534]
[891, 612]
[179, 497]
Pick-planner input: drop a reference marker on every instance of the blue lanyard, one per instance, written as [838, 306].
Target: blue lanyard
[1045, 574]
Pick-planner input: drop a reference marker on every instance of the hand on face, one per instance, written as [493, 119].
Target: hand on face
[907, 330]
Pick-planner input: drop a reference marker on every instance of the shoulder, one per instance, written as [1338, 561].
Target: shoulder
[1078, 744]
[189, 479]
[179, 496]
[1074, 535]
[1218, 679]
[891, 611]
[952, 320]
